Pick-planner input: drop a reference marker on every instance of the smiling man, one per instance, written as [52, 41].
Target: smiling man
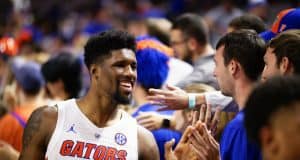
[93, 127]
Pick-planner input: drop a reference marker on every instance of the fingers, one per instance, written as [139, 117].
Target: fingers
[211, 142]
[169, 145]
[200, 146]
[215, 120]
[168, 149]
[205, 133]
[196, 138]
[172, 88]
[160, 92]
[187, 133]
[149, 126]
[145, 120]
[195, 117]
[143, 115]
[202, 113]
[200, 153]
[164, 108]
[209, 138]
[208, 115]
[157, 99]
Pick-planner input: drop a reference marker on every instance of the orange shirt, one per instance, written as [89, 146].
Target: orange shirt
[11, 130]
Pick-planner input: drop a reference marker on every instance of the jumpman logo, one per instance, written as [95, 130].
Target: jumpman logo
[97, 135]
[72, 129]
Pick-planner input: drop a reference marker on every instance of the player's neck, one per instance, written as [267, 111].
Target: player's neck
[100, 110]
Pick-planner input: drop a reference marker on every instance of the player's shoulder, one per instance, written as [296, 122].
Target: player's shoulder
[145, 137]
[45, 111]
[147, 145]
[45, 115]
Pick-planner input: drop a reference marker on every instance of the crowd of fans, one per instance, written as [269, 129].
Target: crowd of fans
[216, 79]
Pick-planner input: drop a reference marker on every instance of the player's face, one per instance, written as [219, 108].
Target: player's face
[119, 75]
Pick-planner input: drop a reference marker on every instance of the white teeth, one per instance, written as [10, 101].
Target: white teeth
[126, 84]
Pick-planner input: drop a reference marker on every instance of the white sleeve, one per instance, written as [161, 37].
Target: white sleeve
[216, 98]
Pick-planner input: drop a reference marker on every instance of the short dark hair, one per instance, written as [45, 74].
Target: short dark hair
[248, 21]
[287, 44]
[268, 98]
[155, 29]
[101, 45]
[192, 25]
[247, 48]
[65, 67]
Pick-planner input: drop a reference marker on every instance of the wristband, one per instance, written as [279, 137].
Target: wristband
[192, 100]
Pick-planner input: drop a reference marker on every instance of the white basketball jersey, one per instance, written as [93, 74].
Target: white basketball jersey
[76, 137]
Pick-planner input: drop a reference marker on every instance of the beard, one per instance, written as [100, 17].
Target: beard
[121, 99]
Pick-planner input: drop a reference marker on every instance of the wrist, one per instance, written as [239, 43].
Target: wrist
[191, 100]
[200, 99]
[166, 123]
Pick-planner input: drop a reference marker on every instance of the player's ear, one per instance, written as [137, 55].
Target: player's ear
[95, 71]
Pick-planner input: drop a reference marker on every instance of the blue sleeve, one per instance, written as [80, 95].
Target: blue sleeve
[236, 146]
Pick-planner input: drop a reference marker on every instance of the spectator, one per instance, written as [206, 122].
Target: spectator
[190, 41]
[29, 83]
[286, 19]
[63, 76]
[271, 117]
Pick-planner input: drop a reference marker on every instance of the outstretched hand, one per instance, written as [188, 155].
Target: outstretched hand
[172, 99]
[205, 116]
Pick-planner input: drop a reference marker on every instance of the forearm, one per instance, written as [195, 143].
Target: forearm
[217, 99]
[214, 98]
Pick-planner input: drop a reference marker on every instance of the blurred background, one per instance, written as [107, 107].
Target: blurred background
[51, 25]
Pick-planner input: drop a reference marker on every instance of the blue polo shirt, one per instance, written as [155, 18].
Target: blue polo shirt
[235, 144]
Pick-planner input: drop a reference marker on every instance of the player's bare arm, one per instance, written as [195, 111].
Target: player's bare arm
[147, 147]
[38, 132]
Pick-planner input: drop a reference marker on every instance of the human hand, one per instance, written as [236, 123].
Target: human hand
[182, 150]
[205, 116]
[172, 99]
[181, 120]
[169, 153]
[150, 120]
[203, 143]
